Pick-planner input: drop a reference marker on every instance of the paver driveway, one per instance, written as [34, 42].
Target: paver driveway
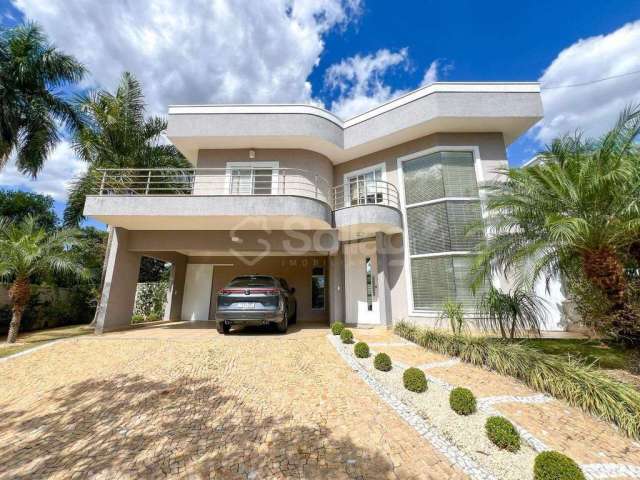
[186, 402]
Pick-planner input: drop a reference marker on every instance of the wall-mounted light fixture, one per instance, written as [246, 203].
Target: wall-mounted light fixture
[252, 153]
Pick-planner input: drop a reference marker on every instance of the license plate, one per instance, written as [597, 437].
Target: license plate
[247, 306]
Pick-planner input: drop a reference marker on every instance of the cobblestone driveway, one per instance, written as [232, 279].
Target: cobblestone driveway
[188, 403]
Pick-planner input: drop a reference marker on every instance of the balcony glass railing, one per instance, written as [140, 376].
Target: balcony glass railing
[243, 181]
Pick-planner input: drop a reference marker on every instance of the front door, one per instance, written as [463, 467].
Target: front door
[361, 289]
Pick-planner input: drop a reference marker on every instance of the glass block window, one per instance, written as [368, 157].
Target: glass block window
[442, 205]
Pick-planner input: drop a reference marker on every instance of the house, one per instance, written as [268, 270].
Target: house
[365, 217]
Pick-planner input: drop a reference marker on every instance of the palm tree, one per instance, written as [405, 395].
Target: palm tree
[578, 211]
[32, 107]
[117, 135]
[515, 312]
[27, 249]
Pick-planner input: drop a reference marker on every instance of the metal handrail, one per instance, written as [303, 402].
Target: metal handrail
[248, 181]
[365, 192]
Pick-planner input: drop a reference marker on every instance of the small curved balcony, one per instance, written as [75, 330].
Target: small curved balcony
[233, 198]
[364, 207]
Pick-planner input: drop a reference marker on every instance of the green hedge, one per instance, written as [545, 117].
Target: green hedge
[503, 434]
[337, 328]
[578, 383]
[414, 380]
[556, 466]
[462, 401]
[346, 336]
[382, 362]
[361, 350]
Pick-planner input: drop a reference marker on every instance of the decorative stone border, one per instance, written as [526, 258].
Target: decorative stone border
[409, 415]
[539, 398]
[35, 349]
[610, 470]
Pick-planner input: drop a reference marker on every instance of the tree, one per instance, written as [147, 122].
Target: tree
[514, 312]
[575, 213]
[117, 135]
[32, 106]
[26, 250]
[15, 205]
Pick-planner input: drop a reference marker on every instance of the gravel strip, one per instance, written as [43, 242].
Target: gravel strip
[465, 433]
[610, 470]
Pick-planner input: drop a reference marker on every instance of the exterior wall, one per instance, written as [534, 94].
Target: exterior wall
[295, 270]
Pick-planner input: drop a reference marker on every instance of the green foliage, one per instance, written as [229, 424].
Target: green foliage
[382, 362]
[414, 380]
[337, 328]
[575, 214]
[346, 336]
[511, 313]
[153, 270]
[117, 134]
[503, 434]
[137, 318]
[151, 299]
[33, 78]
[604, 354]
[453, 312]
[462, 401]
[361, 349]
[579, 384]
[556, 466]
[15, 205]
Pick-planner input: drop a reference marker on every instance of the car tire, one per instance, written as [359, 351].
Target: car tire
[284, 324]
[223, 328]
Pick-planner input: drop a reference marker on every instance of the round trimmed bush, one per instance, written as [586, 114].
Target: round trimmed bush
[462, 401]
[337, 328]
[382, 362]
[556, 466]
[503, 434]
[414, 380]
[361, 350]
[346, 336]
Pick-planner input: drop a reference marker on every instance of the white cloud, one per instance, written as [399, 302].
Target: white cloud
[197, 51]
[59, 170]
[431, 74]
[592, 108]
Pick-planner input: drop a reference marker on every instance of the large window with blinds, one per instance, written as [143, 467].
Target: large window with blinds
[442, 202]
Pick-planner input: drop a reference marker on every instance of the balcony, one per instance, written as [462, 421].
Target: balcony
[364, 207]
[241, 198]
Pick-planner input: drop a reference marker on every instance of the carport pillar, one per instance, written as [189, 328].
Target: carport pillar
[384, 288]
[336, 287]
[176, 287]
[122, 268]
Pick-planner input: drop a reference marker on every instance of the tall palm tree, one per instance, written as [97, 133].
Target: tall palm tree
[116, 134]
[33, 74]
[27, 249]
[576, 211]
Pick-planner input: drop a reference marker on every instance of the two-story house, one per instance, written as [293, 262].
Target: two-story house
[366, 217]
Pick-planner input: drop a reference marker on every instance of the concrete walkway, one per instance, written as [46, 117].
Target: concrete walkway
[181, 401]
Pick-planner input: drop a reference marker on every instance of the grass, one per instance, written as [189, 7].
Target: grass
[30, 340]
[576, 382]
[592, 351]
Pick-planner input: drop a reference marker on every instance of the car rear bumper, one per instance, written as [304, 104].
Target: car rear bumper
[240, 317]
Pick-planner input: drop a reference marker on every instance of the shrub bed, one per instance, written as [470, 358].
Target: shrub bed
[382, 362]
[361, 350]
[578, 383]
[462, 401]
[346, 336]
[556, 466]
[414, 380]
[503, 434]
[337, 328]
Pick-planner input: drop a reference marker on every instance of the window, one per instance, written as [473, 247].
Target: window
[252, 178]
[370, 285]
[317, 288]
[363, 187]
[442, 204]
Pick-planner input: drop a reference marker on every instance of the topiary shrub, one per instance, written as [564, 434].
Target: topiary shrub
[462, 401]
[346, 336]
[337, 328]
[556, 466]
[382, 362]
[503, 434]
[361, 350]
[414, 380]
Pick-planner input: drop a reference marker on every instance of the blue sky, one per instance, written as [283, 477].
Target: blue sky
[347, 55]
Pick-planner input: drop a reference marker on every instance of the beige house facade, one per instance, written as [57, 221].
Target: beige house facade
[367, 218]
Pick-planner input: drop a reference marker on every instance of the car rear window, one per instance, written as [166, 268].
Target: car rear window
[253, 281]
